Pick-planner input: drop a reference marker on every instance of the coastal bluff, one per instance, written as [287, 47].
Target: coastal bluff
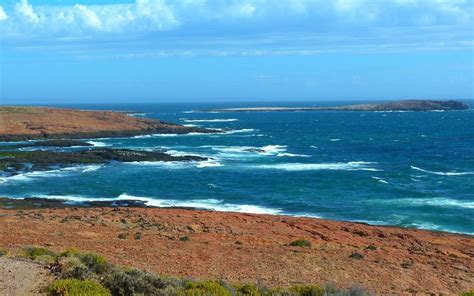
[27, 123]
[405, 105]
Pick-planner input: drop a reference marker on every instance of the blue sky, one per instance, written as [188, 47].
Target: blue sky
[64, 51]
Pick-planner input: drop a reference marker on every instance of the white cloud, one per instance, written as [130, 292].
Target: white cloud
[3, 15]
[240, 27]
[87, 16]
[24, 9]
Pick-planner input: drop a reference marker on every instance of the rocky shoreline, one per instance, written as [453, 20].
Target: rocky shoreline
[408, 105]
[14, 162]
[38, 123]
[269, 250]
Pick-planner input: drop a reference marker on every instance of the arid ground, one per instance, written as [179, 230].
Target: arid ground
[243, 248]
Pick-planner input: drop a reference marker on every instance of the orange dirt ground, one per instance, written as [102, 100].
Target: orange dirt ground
[253, 248]
[37, 121]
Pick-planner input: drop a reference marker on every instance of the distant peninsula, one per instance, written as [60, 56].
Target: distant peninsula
[406, 105]
[37, 123]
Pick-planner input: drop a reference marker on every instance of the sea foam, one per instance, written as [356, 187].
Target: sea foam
[209, 120]
[348, 166]
[442, 173]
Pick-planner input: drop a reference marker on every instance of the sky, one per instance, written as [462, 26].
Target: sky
[126, 51]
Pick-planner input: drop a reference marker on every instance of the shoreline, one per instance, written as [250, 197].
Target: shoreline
[31, 203]
[252, 248]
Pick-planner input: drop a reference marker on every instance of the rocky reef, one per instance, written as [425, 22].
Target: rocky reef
[12, 162]
[406, 105]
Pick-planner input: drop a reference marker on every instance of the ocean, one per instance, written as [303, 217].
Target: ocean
[409, 169]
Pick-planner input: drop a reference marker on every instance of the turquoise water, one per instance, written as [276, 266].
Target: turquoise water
[389, 168]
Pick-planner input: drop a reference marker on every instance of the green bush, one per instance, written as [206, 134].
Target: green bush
[95, 263]
[248, 289]
[3, 252]
[131, 282]
[72, 267]
[35, 253]
[74, 287]
[307, 290]
[206, 288]
[468, 293]
[300, 243]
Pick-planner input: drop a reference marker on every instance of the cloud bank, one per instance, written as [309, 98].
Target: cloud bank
[231, 27]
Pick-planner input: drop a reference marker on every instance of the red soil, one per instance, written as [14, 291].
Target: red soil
[253, 248]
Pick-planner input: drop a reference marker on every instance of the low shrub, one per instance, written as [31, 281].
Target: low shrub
[37, 253]
[248, 289]
[3, 252]
[74, 287]
[206, 288]
[300, 243]
[72, 267]
[95, 263]
[468, 293]
[307, 290]
[132, 282]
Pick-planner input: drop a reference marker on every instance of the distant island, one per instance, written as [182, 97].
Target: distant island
[406, 105]
[28, 123]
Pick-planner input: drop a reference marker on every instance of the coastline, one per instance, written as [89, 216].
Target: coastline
[240, 247]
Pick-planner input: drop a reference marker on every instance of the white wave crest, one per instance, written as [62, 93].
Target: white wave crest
[97, 144]
[380, 180]
[209, 120]
[348, 166]
[442, 173]
[211, 204]
[435, 202]
[30, 176]
[243, 130]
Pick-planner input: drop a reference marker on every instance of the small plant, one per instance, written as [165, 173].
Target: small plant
[34, 253]
[301, 243]
[123, 235]
[371, 247]
[248, 289]
[94, 262]
[137, 236]
[206, 288]
[307, 290]
[184, 238]
[3, 252]
[356, 255]
[74, 287]
[468, 293]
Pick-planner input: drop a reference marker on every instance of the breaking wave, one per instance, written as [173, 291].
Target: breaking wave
[442, 173]
[340, 166]
[211, 204]
[209, 120]
[434, 202]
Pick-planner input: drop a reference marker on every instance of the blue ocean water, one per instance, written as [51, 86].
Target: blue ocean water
[410, 169]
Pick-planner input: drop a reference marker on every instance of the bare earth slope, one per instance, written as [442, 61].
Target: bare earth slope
[22, 278]
[253, 248]
[37, 123]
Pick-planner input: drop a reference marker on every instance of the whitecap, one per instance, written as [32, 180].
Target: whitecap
[29, 176]
[435, 202]
[208, 163]
[349, 166]
[334, 140]
[243, 130]
[292, 155]
[97, 144]
[211, 204]
[209, 120]
[380, 180]
[442, 173]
